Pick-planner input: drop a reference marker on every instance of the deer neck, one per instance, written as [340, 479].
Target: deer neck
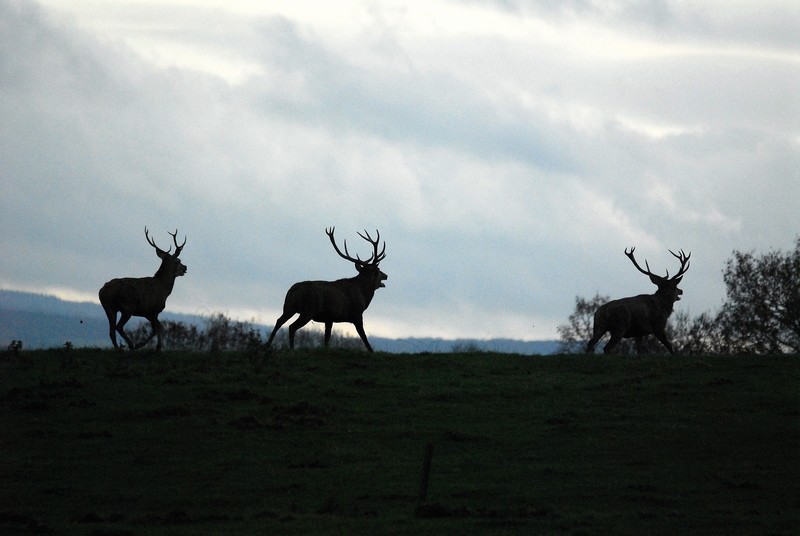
[365, 286]
[165, 278]
[665, 301]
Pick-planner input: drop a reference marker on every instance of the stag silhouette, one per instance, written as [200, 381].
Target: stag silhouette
[142, 296]
[344, 300]
[639, 316]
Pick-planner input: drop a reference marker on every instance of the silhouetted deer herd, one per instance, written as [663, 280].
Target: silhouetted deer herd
[345, 300]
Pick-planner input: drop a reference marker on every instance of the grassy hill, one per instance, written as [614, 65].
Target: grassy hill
[332, 442]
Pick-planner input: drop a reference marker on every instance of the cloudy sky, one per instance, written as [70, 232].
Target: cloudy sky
[507, 150]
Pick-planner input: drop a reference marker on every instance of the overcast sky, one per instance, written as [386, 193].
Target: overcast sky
[508, 151]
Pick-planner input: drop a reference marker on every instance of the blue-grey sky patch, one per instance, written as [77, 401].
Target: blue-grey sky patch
[508, 151]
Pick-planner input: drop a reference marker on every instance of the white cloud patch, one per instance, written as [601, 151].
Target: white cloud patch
[662, 197]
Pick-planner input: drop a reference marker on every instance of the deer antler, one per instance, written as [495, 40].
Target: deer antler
[160, 251]
[153, 243]
[175, 240]
[375, 258]
[346, 254]
[684, 259]
[647, 272]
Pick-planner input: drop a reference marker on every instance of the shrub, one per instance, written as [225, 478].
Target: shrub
[221, 334]
[762, 310]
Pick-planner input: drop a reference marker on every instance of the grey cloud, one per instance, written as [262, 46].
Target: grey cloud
[426, 109]
[770, 24]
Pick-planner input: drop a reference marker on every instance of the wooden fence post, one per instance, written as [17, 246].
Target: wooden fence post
[426, 473]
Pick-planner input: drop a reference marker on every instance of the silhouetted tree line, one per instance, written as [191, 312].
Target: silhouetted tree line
[222, 334]
[760, 315]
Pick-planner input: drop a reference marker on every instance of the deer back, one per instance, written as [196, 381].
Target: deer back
[635, 316]
[331, 301]
[139, 296]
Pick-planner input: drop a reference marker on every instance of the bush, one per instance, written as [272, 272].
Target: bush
[221, 334]
[575, 334]
[762, 311]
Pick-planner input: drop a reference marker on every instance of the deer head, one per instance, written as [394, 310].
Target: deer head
[170, 264]
[666, 285]
[368, 268]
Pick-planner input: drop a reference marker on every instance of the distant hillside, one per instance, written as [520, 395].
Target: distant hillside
[431, 345]
[43, 330]
[12, 300]
[42, 321]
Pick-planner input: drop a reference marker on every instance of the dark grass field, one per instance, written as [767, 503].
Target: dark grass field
[333, 442]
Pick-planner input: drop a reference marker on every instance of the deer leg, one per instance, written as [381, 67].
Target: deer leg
[663, 338]
[328, 328]
[301, 321]
[155, 327]
[598, 330]
[112, 329]
[360, 329]
[123, 319]
[612, 343]
[158, 330]
[593, 342]
[278, 323]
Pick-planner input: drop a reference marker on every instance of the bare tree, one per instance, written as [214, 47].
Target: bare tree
[578, 329]
[344, 300]
[142, 296]
[639, 316]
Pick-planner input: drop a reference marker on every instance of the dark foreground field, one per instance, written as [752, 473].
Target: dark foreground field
[333, 443]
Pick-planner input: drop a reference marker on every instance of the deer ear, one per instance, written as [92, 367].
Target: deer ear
[677, 280]
[657, 281]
